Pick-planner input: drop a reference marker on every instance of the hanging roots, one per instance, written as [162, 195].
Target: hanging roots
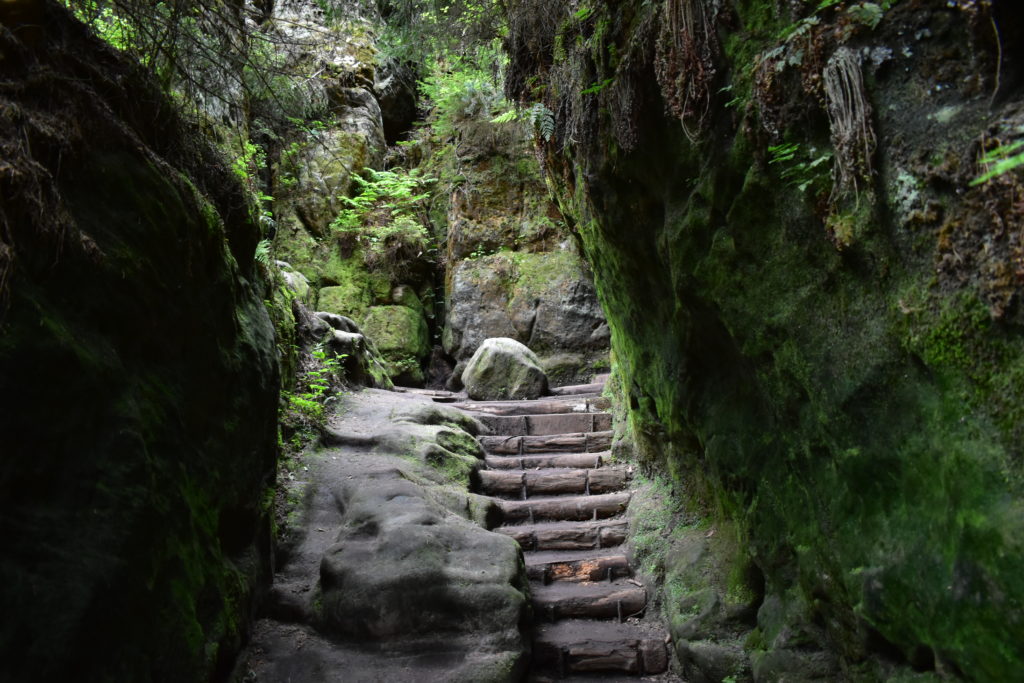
[849, 114]
[685, 64]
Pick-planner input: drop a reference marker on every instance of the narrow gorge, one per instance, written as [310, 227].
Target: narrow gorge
[533, 340]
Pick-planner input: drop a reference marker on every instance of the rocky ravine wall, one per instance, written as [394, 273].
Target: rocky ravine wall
[511, 268]
[498, 261]
[821, 342]
[138, 370]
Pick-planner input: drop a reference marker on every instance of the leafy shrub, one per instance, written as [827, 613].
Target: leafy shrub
[388, 218]
[463, 89]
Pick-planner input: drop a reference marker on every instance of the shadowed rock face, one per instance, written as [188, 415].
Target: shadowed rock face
[836, 370]
[139, 377]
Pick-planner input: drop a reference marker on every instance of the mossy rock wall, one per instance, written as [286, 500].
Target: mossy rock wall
[838, 373]
[544, 300]
[140, 376]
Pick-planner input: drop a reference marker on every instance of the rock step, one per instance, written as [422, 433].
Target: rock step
[592, 442]
[576, 389]
[553, 481]
[542, 425]
[566, 600]
[557, 460]
[568, 508]
[574, 646]
[548, 406]
[546, 566]
[567, 535]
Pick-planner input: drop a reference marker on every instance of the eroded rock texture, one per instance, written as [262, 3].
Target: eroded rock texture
[139, 376]
[386, 569]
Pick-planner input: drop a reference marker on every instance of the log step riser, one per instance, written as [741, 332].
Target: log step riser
[613, 604]
[542, 407]
[595, 569]
[592, 538]
[593, 442]
[638, 657]
[561, 460]
[526, 484]
[569, 509]
[546, 425]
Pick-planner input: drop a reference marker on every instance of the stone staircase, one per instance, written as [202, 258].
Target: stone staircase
[548, 466]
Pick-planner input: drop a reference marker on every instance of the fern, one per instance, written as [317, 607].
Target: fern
[543, 120]
[507, 117]
[262, 254]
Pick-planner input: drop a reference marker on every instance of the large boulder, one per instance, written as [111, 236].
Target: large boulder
[402, 337]
[502, 368]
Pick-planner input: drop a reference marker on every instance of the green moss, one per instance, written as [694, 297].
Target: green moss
[356, 290]
[397, 330]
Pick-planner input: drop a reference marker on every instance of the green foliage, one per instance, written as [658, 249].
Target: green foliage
[1000, 160]
[418, 30]
[543, 120]
[107, 24]
[802, 167]
[465, 89]
[595, 88]
[262, 254]
[867, 13]
[302, 411]
[388, 218]
[540, 118]
[249, 162]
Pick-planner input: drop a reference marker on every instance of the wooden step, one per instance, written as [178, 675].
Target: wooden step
[548, 406]
[566, 600]
[592, 442]
[541, 425]
[552, 481]
[564, 460]
[568, 535]
[569, 508]
[576, 646]
[546, 566]
[576, 389]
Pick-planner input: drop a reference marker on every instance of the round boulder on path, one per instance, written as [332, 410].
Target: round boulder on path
[502, 369]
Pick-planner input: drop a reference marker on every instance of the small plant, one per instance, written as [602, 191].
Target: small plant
[302, 411]
[595, 88]
[543, 120]
[248, 165]
[262, 254]
[1000, 160]
[802, 167]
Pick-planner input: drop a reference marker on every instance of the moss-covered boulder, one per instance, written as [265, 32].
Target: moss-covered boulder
[401, 336]
[140, 376]
[355, 292]
[502, 369]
